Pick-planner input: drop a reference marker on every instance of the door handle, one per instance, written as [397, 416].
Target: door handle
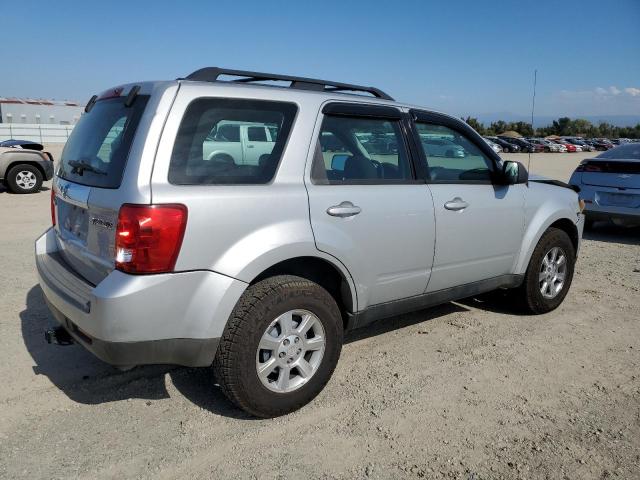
[250, 146]
[345, 209]
[456, 204]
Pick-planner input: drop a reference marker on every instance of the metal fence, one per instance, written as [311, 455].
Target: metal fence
[35, 132]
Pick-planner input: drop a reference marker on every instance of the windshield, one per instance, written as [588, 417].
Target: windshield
[97, 149]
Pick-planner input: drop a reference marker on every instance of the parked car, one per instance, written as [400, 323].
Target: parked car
[496, 148]
[506, 146]
[523, 144]
[571, 148]
[610, 185]
[161, 255]
[584, 147]
[241, 142]
[547, 145]
[24, 166]
[441, 147]
[601, 144]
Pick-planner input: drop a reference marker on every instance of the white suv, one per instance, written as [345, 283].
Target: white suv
[333, 213]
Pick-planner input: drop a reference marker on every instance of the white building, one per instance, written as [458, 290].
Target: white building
[43, 112]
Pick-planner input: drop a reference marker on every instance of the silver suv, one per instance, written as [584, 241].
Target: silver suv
[257, 264]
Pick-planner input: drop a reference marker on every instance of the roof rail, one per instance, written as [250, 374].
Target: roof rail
[211, 74]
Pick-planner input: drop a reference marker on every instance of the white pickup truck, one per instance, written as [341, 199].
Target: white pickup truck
[242, 142]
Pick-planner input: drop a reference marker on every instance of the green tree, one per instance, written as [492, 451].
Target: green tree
[499, 127]
[475, 124]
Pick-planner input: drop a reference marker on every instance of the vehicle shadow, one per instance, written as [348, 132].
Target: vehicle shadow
[4, 189]
[497, 301]
[387, 325]
[87, 380]
[608, 232]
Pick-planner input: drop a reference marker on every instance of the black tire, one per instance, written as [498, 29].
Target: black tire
[235, 361]
[15, 179]
[528, 296]
[588, 223]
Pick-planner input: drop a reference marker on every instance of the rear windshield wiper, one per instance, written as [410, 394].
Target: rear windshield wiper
[80, 166]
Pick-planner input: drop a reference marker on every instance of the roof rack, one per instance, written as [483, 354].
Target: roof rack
[211, 74]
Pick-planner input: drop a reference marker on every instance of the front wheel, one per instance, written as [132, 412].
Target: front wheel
[280, 346]
[549, 273]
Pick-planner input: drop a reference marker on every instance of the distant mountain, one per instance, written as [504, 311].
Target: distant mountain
[544, 120]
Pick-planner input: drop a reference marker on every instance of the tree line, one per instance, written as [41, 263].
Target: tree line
[564, 127]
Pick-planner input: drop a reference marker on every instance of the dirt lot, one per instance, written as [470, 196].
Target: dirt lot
[466, 390]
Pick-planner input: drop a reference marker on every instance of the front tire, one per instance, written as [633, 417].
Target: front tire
[280, 346]
[549, 273]
[24, 179]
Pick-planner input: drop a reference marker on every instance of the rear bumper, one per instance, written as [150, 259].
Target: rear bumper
[139, 319]
[47, 166]
[595, 210]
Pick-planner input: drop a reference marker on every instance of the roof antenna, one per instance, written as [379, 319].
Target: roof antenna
[533, 107]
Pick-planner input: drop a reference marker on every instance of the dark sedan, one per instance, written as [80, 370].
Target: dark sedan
[523, 144]
[506, 146]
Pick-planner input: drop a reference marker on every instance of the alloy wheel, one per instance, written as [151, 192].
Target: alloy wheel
[553, 272]
[26, 179]
[290, 351]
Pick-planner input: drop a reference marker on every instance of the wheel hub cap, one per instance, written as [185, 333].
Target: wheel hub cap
[290, 351]
[25, 179]
[552, 273]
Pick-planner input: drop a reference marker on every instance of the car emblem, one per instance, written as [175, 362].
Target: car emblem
[102, 223]
[624, 175]
[63, 191]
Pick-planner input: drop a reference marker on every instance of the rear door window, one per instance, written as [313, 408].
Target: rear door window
[211, 148]
[353, 150]
[97, 150]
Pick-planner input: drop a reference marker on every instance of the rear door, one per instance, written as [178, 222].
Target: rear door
[479, 225]
[89, 176]
[367, 207]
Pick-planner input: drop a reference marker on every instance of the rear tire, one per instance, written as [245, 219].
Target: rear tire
[532, 296]
[257, 338]
[24, 178]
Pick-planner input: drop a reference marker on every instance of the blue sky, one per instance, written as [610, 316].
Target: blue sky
[472, 57]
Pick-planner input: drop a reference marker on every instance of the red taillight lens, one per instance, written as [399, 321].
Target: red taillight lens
[592, 168]
[53, 207]
[148, 237]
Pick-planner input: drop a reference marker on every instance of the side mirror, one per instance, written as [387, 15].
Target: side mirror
[514, 173]
[338, 161]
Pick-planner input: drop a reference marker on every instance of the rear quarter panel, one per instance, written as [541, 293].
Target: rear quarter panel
[241, 230]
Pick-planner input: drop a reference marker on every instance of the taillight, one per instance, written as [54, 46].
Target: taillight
[53, 207]
[148, 237]
[592, 168]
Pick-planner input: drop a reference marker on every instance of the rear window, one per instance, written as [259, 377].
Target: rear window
[230, 141]
[627, 151]
[97, 150]
[603, 166]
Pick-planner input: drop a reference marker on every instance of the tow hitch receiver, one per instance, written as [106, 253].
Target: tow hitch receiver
[58, 336]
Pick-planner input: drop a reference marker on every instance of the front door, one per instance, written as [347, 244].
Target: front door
[479, 225]
[367, 208]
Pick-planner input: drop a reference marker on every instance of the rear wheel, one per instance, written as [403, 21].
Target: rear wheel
[24, 179]
[280, 346]
[549, 273]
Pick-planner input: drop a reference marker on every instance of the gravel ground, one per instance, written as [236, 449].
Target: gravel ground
[466, 390]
